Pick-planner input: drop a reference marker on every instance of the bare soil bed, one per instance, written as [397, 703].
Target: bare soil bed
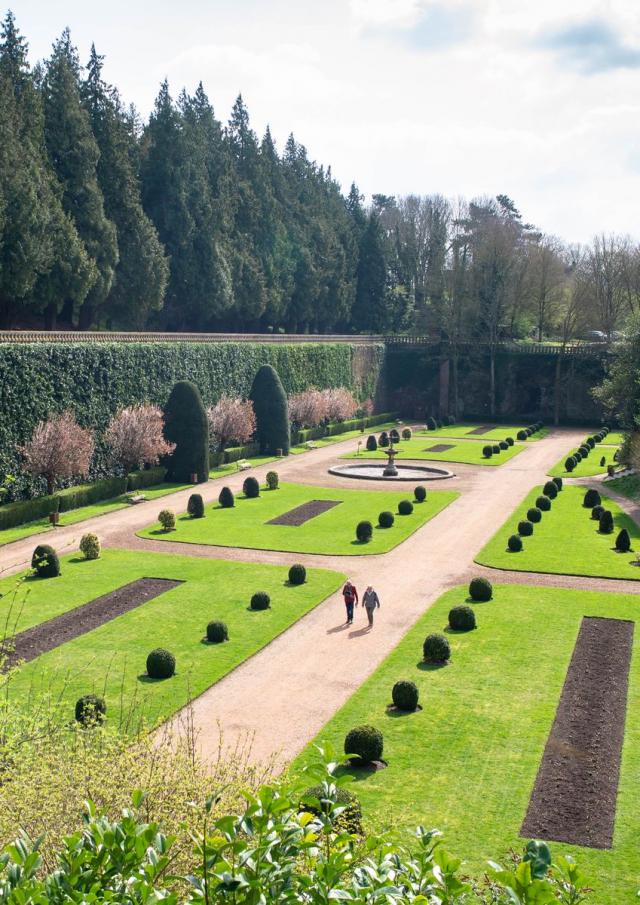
[440, 447]
[304, 513]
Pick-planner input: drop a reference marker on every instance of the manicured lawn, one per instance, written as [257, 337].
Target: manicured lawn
[628, 486]
[467, 762]
[497, 432]
[333, 532]
[462, 451]
[348, 435]
[232, 467]
[586, 468]
[566, 541]
[111, 659]
[614, 438]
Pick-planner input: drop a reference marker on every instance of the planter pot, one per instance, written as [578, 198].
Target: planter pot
[54, 518]
[194, 478]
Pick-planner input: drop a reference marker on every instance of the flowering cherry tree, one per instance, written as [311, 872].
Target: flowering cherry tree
[135, 437]
[231, 419]
[308, 409]
[340, 404]
[59, 448]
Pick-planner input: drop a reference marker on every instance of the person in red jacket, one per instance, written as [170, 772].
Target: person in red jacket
[350, 595]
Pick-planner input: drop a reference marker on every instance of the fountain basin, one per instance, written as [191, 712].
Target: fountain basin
[374, 472]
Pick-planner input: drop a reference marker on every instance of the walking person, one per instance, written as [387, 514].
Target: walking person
[350, 595]
[370, 602]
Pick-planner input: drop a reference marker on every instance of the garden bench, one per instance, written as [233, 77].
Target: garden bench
[311, 445]
[243, 464]
[137, 498]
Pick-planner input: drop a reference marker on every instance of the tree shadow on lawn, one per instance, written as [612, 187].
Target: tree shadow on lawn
[147, 680]
[395, 713]
[430, 667]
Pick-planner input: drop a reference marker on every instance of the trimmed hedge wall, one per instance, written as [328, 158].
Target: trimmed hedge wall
[95, 379]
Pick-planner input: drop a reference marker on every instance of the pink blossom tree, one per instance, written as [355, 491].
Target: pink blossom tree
[340, 404]
[59, 448]
[231, 419]
[308, 409]
[135, 437]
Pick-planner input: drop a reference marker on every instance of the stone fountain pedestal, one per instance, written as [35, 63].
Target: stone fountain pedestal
[390, 470]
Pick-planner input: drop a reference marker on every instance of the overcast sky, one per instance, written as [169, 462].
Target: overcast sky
[537, 99]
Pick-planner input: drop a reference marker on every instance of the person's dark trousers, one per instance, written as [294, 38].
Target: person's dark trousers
[369, 614]
[349, 607]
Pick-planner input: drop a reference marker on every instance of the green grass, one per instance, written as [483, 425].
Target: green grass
[232, 467]
[566, 541]
[586, 468]
[348, 435]
[333, 532]
[467, 762]
[463, 452]
[497, 432]
[614, 438]
[111, 659]
[628, 486]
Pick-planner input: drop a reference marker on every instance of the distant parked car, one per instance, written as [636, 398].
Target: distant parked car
[595, 336]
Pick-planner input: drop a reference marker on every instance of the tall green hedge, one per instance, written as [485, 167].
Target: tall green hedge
[96, 379]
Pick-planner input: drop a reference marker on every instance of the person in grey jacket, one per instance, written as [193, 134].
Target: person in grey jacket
[370, 602]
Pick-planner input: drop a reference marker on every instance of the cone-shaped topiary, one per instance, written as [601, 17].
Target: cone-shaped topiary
[514, 543]
[405, 507]
[90, 546]
[272, 412]
[217, 632]
[161, 664]
[251, 488]
[186, 425]
[364, 742]
[550, 490]
[386, 519]
[372, 443]
[543, 503]
[260, 601]
[462, 618]
[534, 515]
[383, 440]
[297, 574]
[195, 506]
[272, 480]
[45, 561]
[226, 498]
[525, 528]
[605, 525]
[90, 710]
[591, 498]
[558, 483]
[405, 695]
[480, 589]
[603, 462]
[436, 649]
[623, 541]
[364, 532]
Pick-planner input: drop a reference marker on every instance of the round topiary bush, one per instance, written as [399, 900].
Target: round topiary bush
[534, 515]
[161, 664]
[297, 574]
[603, 462]
[383, 439]
[623, 541]
[405, 507]
[226, 498]
[186, 425]
[272, 412]
[90, 546]
[591, 499]
[195, 506]
[350, 818]
[372, 443]
[364, 742]
[260, 601]
[406, 433]
[487, 451]
[584, 451]
[45, 561]
[514, 543]
[462, 618]
[436, 649]
[590, 442]
[503, 445]
[386, 519]
[570, 464]
[217, 632]
[90, 710]
[405, 696]
[550, 490]
[495, 449]
[272, 480]
[394, 436]
[522, 436]
[558, 483]
[509, 441]
[525, 528]
[605, 524]
[577, 456]
[167, 519]
[543, 503]
[420, 493]
[364, 532]
[251, 488]
[480, 589]
[432, 424]
[596, 512]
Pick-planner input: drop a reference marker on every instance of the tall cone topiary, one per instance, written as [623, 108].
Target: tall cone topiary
[272, 412]
[186, 425]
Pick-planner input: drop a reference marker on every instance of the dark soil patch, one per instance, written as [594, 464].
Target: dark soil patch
[574, 796]
[482, 429]
[48, 635]
[304, 513]
[440, 447]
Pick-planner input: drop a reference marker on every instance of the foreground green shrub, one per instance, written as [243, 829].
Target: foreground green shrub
[436, 648]
[251, 488]
[90, 546]
[273, 480]
[186, 425]
[148, 477]
[297, 574]
[525, 528]
[514, 543]
[405, 507]
[226, 498]
[217, 632]
[364, 532]
[195, 506]
[45, 561]
[405, 696]
[543, 503]
[260, 601]
[534, 515]
[550, 490]
[326, 798]
[272, 412]
[480, 589]
[591, 498]
[372, 443]
[420, 493]
[462, 618]
[623, 541]
[386, 519]
[167, 519]
[605, 524]
[161, 664]
[365, 743]
[90, 710]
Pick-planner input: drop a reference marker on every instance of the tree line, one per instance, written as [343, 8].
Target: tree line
[183, 223]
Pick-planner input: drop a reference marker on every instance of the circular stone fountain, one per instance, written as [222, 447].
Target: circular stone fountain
[391, 471]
